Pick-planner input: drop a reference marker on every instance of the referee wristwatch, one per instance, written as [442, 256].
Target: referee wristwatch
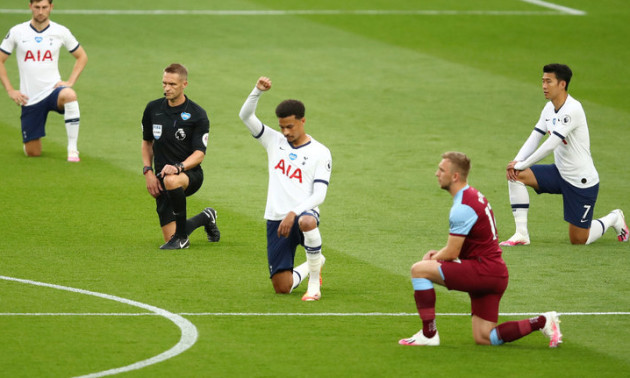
[146, 169]
[180, 168]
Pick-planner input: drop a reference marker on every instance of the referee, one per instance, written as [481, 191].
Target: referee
[175, 137]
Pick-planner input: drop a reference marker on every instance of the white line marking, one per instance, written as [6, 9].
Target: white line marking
[359, 314]
[560, 8]
[188, 330]
[389, 314]
[333, 12]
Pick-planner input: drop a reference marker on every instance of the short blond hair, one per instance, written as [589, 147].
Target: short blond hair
[459, 162]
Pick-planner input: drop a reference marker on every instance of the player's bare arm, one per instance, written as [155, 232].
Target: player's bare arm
[263, 83]
[287, 223]
[451, 250]
[191, 162]
[511, 173]
[81, 61]
[153, 184]
[429, 255]
[15, 95]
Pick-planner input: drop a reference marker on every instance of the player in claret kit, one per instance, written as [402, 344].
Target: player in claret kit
[470, 262]
[37, 44]
[299, 172]
[573, 173]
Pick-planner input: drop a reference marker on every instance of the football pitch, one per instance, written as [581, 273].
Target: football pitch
[388, 85]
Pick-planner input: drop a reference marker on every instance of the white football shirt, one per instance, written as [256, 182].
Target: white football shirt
[573, 155]
[293, 172]
[298, 177]
[37, 54]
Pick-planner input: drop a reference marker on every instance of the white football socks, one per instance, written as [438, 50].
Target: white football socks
[299, 274]
[313, 247]
[71, 116]
[519, 200]
[599, 226]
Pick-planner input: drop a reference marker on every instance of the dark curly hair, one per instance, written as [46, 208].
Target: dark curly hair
[290, 108]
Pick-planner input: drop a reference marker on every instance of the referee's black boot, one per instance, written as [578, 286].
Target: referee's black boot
[176, 242]
[211, 227]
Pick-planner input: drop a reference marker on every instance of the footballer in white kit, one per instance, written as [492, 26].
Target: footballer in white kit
[37, 44]
[571, 147]
[293, 173]
[37, 54]
[299, 172]
[573, 173]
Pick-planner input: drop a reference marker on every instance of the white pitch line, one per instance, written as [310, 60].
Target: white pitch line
[358, 314]
[188, 337]
[308, 12]
[560, 8]
[362, 314]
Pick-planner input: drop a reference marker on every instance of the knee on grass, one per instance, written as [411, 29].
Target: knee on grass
[282, 282]
[33, 148]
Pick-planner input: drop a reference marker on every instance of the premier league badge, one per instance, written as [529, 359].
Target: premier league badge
[157, 131]
[185, 116]
[566, 119]
[180, 134]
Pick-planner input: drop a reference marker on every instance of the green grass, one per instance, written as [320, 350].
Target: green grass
[387, 94]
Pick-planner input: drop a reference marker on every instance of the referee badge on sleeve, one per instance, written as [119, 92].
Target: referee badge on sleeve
[157, 131]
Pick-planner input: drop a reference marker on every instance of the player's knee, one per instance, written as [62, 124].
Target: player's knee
[417, 270]
[282, 290]
[577, 240]
[282, 282]
[579, 237]
[482, 341]
[282, 287]
[307, 223]
[32, 149]
[67, 95]
[482, 337]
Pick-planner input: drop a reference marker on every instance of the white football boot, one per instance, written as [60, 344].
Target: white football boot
[516, 239]
[420, 339]
[552, 328]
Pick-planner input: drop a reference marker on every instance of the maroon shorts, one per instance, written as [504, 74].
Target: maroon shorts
[485, 289]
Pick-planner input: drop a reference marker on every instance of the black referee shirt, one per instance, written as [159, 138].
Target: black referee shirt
[176, 132]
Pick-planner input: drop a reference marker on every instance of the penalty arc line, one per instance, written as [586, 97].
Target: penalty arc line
[560, 8]
[188, 337]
